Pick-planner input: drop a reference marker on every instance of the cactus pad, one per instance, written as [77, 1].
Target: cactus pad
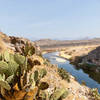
[10, 79]
[5, 85]
[36, 75]
[57, 94]
[3, 67]
[6, 56]
[43, 72]
[12, 68]
[19, 59]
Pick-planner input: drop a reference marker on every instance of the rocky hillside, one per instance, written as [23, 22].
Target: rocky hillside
[93, 56]
[26, 75]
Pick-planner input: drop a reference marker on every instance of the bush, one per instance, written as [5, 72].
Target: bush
[95, 94]
[63, 74]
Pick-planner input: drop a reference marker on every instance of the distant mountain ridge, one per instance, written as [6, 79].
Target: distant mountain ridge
[48, 43]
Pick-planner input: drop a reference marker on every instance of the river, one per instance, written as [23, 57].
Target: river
[79, 74]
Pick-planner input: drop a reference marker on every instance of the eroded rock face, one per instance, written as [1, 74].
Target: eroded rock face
[94, 56]
[17, 40]
[19, 43]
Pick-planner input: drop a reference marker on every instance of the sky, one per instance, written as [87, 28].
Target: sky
[55, 19]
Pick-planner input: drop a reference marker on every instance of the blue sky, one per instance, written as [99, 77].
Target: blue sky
[56, 19]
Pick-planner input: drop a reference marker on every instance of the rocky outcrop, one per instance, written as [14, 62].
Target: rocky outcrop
[93, 56]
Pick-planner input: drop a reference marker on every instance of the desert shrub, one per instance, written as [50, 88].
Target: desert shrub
[83, 83]
[47, 62]
[64, 74]
[95, 94]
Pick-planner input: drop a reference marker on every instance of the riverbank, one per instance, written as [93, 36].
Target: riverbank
[72, 52]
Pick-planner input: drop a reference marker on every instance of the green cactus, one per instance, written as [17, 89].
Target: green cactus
[31, 79]
[26, 49]
[2, 91]
[4, 84]
[3, 67]
[64, 95]
[10, 79]
[2, 77]
[42, 95]
[12, 68]
[57, 94]
[42, 72]
[24, 66]
[19, 59]
[29, 49]
[36, 76]
[0, 56]
[6, 56]
[11, 57]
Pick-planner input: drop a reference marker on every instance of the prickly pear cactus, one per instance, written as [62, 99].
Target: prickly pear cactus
[19, 69]
[10, 79]
[32, 81]
[12, 68]
[36, 75]
[26, 49]
[57, 94]
[29, 49]
[43, 72]
[42, 95]
[11, 57]
[3, 67]
[19, 59]
[6, 56]
[4, 84]
[64, 95]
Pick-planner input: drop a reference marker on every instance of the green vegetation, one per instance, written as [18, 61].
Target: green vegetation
[89, 65]
[59, 94]
[47, 62]
[95, 94]
[83, 83]
[16, 71]
[64, 74]
[29, 49]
